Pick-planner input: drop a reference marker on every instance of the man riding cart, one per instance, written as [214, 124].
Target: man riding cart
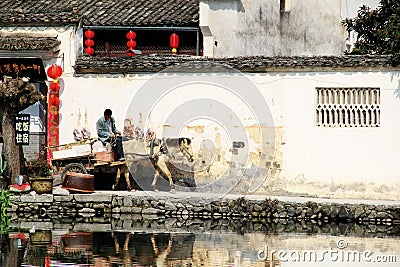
[108, 134]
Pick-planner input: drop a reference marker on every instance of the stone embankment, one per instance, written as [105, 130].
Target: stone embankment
[205, 206]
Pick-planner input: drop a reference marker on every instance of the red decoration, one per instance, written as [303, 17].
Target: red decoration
[47, 261]
[56, 101]
[131, 35]
[131, 44]
[54, 71]
[54, 87]
[174, 42]
[130, 53]
[89, 42]
[89, 34]
[89, 50]
[53, 102]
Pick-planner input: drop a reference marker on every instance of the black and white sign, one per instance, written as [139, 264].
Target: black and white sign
[21, 126]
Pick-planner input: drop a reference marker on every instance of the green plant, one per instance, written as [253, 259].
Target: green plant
[378, 30]
[39, 167]
[4, 204]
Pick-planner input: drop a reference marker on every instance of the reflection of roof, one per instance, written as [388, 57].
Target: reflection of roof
[28, 43]
[246, 64]
[100, 12]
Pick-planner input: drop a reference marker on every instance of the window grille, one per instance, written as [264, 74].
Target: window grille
[347, 107]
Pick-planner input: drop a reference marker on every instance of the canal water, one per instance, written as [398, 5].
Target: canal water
[185, 242]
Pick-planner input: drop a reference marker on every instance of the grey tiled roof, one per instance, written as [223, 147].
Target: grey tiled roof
[100, 12]
[246, 64]
[28, 43]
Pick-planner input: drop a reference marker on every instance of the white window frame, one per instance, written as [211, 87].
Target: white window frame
[347, 107]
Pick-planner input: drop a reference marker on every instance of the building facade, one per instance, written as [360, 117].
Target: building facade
[331, 120]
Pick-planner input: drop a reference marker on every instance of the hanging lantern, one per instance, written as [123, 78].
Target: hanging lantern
[131, 35]
[89, 51]
[89, 34]
[174, 42]
[89, 42]
[130, 53]
[54, 87]
[131, 43]
[54, 71]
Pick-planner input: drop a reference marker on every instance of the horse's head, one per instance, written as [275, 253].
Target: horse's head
[186, 148]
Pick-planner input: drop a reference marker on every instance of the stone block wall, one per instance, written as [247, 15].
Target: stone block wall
[199, 207]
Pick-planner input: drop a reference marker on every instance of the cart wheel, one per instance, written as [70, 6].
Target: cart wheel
[73, 167]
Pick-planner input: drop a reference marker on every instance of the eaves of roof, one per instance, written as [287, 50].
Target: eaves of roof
[255, 64]
[146, 13]
[18, 43]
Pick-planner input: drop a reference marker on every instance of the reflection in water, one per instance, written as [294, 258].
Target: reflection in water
[213, 248]
[132, 249]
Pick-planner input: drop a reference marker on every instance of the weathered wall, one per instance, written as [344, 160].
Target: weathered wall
[308, 160]
[257, 27]
[334, 161]
[351, 162]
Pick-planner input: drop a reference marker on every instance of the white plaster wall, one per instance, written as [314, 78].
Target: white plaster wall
[338, 162]
[257, 27]
[340, 154]
[93, 94]
[314, 159]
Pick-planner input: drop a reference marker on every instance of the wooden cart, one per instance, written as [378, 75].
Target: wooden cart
[85, 161]
[93, 162]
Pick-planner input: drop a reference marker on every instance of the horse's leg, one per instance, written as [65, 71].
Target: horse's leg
[128, 182]
[153, 184]
[169, 175]
[116, 179]
[162, 164]
[116, 243]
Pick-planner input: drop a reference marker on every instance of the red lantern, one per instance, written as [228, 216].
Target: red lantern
[89, 42]
[174, 40]
[131, 44]
[54, 71]
[89, 50]
[130, 53]
[131, 35]
[89, 34]
[54, 87]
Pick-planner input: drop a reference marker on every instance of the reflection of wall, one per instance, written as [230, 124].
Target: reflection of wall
[221, 249]
[148, 249]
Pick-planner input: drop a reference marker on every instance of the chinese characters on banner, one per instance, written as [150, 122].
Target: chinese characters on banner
[52, 120]
[22, 125]
[23, 67]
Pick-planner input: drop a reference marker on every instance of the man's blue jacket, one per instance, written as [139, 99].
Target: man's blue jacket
[103, 132]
